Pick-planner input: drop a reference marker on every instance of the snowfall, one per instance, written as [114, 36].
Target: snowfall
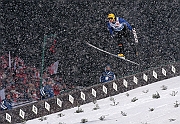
[145, 110]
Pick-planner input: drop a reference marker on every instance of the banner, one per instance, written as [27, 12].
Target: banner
[53, 68]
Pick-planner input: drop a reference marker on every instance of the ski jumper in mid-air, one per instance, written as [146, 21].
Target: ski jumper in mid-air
[118, 28]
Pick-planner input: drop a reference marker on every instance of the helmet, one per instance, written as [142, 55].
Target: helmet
[111, 15]
[108, 67]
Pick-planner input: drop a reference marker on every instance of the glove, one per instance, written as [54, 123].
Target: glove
[132, 26]
[134, 31]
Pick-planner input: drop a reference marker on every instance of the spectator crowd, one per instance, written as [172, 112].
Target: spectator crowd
[20, 84]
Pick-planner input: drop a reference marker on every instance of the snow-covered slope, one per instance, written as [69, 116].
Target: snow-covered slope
[138, 112]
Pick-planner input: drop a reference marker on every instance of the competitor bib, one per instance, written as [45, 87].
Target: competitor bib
[117, 26]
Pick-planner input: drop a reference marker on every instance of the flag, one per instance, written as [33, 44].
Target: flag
[52, 48]
[2, 94]
[9, 60]
[53, 68]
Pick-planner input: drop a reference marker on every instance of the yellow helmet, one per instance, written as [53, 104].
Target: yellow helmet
[111, 15]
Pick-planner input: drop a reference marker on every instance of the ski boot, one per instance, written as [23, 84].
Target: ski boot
[121, 50]
[121, 55]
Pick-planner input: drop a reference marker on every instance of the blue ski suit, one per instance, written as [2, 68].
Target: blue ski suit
[119, 29]
[118, 25]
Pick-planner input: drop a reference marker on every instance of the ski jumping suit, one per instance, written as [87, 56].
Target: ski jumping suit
[118, 28]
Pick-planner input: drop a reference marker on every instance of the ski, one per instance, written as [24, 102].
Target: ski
[135, 35]
[123, 58]
[136, 40]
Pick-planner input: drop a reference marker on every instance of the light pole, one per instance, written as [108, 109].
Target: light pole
[43, 51]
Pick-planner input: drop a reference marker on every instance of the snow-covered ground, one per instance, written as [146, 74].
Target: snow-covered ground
[137, 112]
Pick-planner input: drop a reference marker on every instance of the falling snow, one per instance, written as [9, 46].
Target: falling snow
[24, 24]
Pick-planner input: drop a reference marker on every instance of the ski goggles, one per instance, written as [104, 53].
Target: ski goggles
[110, 18]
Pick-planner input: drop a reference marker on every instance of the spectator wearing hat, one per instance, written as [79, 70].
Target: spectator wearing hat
[107, 75]
[47, 90]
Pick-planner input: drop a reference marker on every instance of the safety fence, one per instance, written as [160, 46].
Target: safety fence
[86, 95]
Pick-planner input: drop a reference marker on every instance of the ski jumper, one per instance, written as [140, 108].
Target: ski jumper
[118, 29]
